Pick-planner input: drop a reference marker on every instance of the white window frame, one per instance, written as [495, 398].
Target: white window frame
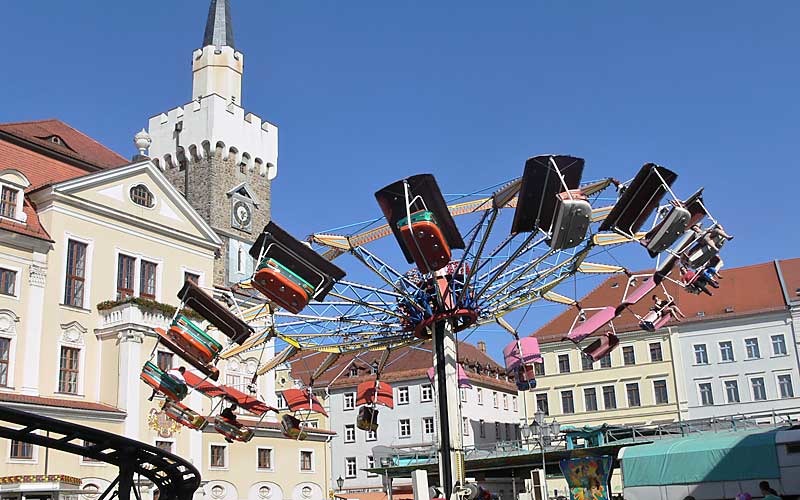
[348, 436]
[783, 343]
[81, 347]
[514, 403]
[725, 383]
[479, 393]
[462, 392]
[666, 386]
[347, 473]
[300, 461]
[495, 400]
[351, 405]
[30, 461]
[226, 456]
[747, 350]
[17, 281]
[87, 279]
[403, 396]
[660, 350]
[465, 425]
[700, 393]
[633, 355]
[370, 465]
[11, 335]
[778, 385]
[426, 393]
[705, 353]
[638, 394]
[482, 429]
[201, 276]
[19, 210]
[425, 426]
[721, 356]
[137, 271]
[272, 459]
[764, 385]
[585, 400]
[371, 436]
[400, 428]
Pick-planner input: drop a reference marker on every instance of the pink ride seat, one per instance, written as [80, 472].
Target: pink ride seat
[640, 291]
[530, 353]
[592, 324]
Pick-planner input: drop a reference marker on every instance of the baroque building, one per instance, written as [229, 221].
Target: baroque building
[94, 250]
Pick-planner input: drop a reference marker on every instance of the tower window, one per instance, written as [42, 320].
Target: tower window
[142, 196]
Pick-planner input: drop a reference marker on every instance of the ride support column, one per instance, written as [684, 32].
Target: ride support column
[451, 450]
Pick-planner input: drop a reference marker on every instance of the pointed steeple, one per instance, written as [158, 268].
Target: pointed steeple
[219, 28]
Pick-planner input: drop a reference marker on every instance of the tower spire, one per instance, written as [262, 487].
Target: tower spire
[219, 28]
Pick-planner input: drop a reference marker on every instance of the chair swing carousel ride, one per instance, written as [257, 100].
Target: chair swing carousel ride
[514, 245]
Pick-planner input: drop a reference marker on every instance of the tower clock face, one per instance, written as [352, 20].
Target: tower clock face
[242, 214]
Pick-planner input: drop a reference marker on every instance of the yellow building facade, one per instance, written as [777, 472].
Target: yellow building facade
[93, 250]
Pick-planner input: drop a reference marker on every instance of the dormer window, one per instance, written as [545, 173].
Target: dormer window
[8, 202]
[56, 140]
[142, 196]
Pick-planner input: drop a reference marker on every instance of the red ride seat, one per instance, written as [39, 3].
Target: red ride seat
[283, 286]
[426, 243]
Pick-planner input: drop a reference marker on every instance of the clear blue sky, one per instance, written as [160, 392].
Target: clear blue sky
[367, 92]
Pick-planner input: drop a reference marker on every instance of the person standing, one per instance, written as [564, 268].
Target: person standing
[767, 491]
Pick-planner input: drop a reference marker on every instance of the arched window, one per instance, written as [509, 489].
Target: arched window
[142, 196]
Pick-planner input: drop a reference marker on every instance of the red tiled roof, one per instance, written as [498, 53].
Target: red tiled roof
[38, 168]
[31, 227]
[790, 271]
[743, 291]
[405, 364]
[76, 145]
[57, 403]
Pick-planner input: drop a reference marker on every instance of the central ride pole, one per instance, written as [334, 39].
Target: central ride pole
[451, 453]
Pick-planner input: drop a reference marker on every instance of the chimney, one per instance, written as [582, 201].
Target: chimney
[482, 346]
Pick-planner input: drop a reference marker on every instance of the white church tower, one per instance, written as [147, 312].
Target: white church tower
[221, 157]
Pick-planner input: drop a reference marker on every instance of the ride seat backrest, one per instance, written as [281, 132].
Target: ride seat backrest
[639, 200]
[593, 323]
[573, 216]
[667, 231]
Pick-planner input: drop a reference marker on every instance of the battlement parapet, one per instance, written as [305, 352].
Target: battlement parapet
[214, 125]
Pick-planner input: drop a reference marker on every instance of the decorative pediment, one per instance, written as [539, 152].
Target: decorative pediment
[8, 322]
[73, 333]
[243, 191]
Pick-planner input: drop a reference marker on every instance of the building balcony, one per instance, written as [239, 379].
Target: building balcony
[132, 317]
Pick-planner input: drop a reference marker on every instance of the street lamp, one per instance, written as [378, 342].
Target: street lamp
[544, 433]
[340, 483]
